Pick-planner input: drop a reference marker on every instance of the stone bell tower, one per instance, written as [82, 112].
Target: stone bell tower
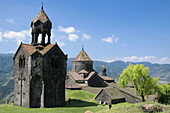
[41, 25]
[39, 68]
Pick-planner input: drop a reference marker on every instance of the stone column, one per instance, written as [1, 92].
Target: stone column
[43, 39]
[49, 39]
[42, 95]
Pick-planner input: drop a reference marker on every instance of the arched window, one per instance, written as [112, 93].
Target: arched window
[23, 61]
[20, 61]
[54, 61]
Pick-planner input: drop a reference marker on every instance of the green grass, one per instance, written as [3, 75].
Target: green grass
[81, 101]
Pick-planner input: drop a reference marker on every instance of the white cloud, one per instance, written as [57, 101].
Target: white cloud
[11, 52]
[1, 37]
[73, 37]
[111, 39]
[85, 36]
[18, 36]
[108, 39]
[152, 59]
[66, 30]
[10, 20]
[60, 43]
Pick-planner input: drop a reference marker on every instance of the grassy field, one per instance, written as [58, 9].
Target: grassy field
[81, 101]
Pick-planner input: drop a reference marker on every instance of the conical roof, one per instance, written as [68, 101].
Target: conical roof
[41, 16]
[104, 67]
[82, 56]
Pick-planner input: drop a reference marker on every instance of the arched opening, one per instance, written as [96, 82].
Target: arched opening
[20, 61]
[36, 91]
[39, 38]
[23, 61]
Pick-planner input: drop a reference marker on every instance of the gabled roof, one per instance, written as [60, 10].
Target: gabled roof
[90, 75]
[82, 56]
[41, 16]
[113, 93]
[106, 78]
[73, 86]
[75, 75]
[47, 48]
[82, 71]
[31, 49]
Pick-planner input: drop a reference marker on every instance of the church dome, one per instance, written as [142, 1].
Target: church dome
[82, 62]
[82, 56]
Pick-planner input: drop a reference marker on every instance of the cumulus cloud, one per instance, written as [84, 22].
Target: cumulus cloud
[85, 36]
[151, 59]
[108, 39]
[111, 39]
[60, 43]
[1, 37]
[66, 30]
[18, 36]
[73, 37]
[10, 20]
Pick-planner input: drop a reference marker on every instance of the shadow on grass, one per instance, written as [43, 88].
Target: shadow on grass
[79, 103]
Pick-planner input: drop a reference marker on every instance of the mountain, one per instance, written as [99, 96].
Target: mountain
[114, 69]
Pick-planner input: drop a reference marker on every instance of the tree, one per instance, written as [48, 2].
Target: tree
[164, 94]
[138, 76]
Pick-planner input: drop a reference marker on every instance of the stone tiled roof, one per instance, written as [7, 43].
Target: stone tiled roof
[46, 49]
[75, 75]
[113, 93]
[73, 86]
[83, 71]
[31, 49]
[90, 75]
[42, 17]
[106, 78]
[82, 56]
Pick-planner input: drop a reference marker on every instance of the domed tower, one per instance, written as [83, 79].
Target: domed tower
[41, 24]
[82, 62]
[104, 71]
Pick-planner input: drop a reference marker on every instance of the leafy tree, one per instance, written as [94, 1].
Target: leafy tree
[138, 76]
[164, 94]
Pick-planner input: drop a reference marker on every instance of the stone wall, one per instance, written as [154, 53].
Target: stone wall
[96, 81]
[80, 65]
[130, 98]
[54, 78]
[103, 97]
[21, 75]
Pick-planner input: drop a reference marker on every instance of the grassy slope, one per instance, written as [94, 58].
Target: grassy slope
[81, 101]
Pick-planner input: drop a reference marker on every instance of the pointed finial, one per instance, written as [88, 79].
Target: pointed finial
[82, 47]
[42, 5]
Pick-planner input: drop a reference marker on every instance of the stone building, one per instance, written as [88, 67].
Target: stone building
[110, 96]
[83, 73]
[105, 77]
[115, 95]
[39, 68]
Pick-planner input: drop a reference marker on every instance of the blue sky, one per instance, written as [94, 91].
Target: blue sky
[128, 30]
